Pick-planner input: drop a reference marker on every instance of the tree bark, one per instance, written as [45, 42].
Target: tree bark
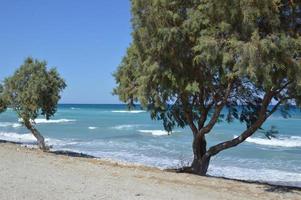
[201, 159]
[37, 135]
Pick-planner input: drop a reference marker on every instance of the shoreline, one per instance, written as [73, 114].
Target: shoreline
[133, 176]
[75, 154]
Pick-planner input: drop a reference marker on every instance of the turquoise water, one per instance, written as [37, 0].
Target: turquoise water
[112, 132]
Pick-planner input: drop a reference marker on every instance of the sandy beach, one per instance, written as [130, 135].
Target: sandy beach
[32, 174]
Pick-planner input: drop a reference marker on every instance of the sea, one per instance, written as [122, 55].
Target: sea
[114, 133]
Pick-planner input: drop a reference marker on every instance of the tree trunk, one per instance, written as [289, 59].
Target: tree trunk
[201, 159]
[37, 135]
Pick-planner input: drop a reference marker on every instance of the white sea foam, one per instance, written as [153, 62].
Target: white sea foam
[4, 124]
[61, 144]
[16, 125]
[125, 126]
[74, 108]
[292, 141]
[262, 175]
[15, 137]
[28, 138]
[9, 124]
[92, 127]
[155, 132]
[128, 111]
[51, 121]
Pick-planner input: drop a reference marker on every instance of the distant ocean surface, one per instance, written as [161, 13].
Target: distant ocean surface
[112, 132]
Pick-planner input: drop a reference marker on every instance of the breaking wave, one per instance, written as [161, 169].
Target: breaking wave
[28, 138]
[155, 132]
[292, 141]
[92, 127]
[125, 126]
[51, 121]
[128, 111]
[9, 124]
[262, 175]
[15, 137]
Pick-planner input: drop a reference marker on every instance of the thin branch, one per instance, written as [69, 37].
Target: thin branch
[283, 87]
[275, 92]
[204, 114]
[191, 124]
[189, 115]
[274, 109]
[217, 112]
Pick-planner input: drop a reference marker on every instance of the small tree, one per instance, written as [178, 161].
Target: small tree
[192, 59]
[31, 91]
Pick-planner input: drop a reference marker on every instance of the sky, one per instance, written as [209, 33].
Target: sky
[84, 39]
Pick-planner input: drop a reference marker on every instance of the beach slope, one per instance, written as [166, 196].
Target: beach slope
[31, 174]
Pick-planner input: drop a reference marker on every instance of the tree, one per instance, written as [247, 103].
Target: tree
[2, 103]
[197, 62]
[31, 91]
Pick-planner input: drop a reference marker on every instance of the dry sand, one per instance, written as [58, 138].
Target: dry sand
[32, 174]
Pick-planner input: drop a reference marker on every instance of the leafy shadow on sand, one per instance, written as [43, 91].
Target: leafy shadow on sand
[281, 189]
[71, 154]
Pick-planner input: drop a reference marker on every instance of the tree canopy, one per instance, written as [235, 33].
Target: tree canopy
[191, 59]
[33, 90]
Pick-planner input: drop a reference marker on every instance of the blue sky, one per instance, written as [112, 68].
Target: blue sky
[85, 40]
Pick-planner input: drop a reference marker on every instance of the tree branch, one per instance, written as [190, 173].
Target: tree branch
[274, 109]
[191, 124]
[231, 143]
[217, 112]
[204, 114]
[188, 114]
[249, 132]
[283, 87]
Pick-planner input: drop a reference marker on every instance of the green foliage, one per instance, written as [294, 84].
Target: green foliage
[2, 103]
[271, 133]
[33, 90]
[186, 53]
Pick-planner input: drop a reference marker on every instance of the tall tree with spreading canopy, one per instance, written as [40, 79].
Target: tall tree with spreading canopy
[196, 62]
[31, 91]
